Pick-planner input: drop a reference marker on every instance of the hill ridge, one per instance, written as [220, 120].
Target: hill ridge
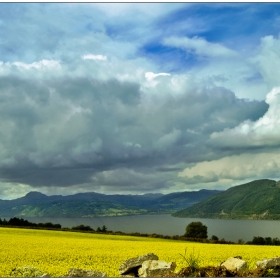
[92, 204]
[258, 199]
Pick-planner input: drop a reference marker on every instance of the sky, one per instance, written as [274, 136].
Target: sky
[135, 98]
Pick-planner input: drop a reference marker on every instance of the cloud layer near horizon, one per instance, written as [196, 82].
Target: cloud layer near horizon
[90, 107]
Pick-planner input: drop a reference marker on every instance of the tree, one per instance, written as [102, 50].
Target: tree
[215, 238]
[258, 240]
[240, 241]
[196, 230]
[275, 241]
[268, 240]
[83, 227]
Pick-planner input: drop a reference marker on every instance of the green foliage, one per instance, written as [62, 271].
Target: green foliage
[196, 230]
[215, 238]
[268, 240]
[27, 272]
[192, 260]
[258, 240]
[49, 225]
[269, 273]
[24, 223]
[103, 229]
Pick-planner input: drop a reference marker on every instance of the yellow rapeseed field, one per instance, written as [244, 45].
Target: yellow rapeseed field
[54, 252]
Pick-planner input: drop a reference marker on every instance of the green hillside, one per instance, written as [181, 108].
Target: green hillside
[76, 209]
[255, 200]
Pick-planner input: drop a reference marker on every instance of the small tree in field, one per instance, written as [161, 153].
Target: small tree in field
[215, 238]
[196, 230]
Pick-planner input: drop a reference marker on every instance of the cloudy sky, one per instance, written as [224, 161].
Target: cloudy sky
[138, 97]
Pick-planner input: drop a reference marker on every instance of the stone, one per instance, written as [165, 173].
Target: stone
[46, 275]
[77, 272]
[130, 264]
[234, 264]
[154, 268]
[269, 263]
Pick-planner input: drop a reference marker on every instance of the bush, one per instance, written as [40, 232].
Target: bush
[83, 228]
[27, 272]
[192, 260]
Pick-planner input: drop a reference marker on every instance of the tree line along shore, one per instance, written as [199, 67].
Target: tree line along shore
[195, 232]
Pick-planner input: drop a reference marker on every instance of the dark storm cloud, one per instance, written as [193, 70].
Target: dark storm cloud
[63, 177]
[64, 132]
[168, 169]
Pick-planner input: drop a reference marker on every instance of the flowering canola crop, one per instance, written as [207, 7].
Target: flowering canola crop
[54, 252]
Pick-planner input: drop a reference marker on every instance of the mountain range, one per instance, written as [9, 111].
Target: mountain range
[254, 200]
[258, 199]
[92, 204]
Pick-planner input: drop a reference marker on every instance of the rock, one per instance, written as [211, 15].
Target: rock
[46, 275]
[154, 268]
[234, 264]
[129, 275]
[134, 263]
[270, 263]
[76, 272]
[208, 271]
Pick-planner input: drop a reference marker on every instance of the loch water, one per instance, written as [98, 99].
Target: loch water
[231, 230]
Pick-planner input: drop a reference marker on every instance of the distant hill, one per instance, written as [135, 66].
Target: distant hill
[255, 200]
[180, 200]
[92, 204]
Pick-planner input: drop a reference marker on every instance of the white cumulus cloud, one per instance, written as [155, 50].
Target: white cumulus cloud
[263, 132]
[267, 60]
[150, 75]
[242, 167]
[94, 57]
[43, 64]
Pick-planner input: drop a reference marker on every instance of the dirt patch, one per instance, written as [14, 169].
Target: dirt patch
[222, 272]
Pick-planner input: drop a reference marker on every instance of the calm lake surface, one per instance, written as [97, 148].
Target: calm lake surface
[231, 230]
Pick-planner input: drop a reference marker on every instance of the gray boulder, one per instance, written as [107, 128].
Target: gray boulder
[133, 264]
[234, 264]
[268, 263]
[154, 268]
[77, 272]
